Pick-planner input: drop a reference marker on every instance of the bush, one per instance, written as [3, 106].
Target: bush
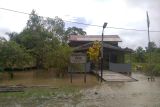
[139, 67]
[156, 70]
[152, 69]
[148, 67]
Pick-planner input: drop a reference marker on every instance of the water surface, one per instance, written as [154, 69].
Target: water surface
[142, 93]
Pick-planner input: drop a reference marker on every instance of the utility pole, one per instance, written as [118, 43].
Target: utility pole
[104, 26]
[148, 25]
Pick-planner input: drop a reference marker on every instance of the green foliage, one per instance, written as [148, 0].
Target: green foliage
[152, 69]
[13, 55]
[140, 55]
[155, 57]
[12, 35]
[140, 60]
[42, 43]
[40, 37]
[149, 69]
[152, 47]
[156, 70]
[2, 39]
[128, 58]
[59, 59]
[74, 31]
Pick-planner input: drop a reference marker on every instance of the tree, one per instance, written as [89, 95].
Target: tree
[40, 36]
[44, 40]
[39, 44]
[152, 47]
[94, 52]
[140, 55]
[35, 22]
[2, 39]
[59, 59]
[12, 35]
[56, 27]
[74, 31]
[13, 56]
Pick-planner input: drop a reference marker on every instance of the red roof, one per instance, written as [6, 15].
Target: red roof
[114, 38]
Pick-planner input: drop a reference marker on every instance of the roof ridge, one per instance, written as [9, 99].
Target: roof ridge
[92, 35]
[115, 38]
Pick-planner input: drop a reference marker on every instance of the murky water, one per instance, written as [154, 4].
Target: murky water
[142, 93]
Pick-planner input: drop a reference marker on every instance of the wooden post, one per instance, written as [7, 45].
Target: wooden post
[109, 61]
[71, 75]
[78, 58]
[97, 73]
[85, 73]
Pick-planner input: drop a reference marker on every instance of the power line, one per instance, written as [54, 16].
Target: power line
[14, 11]
[120, 28]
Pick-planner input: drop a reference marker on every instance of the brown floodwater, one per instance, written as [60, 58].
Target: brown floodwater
[31, 78]
[142, 93]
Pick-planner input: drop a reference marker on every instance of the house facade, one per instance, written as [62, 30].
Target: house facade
[113, 55]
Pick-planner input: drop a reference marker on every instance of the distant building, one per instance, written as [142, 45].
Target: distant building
[113, 54]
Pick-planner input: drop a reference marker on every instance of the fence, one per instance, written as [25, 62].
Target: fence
[118, 67]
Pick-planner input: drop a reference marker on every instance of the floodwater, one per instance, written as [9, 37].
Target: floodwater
[142, 93]
[47, 78]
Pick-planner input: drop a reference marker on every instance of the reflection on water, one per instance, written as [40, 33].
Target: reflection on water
[142, 93]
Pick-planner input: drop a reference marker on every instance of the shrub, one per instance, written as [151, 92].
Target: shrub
[152, 69]
[148, 67]
[139, 67]
[156, 70]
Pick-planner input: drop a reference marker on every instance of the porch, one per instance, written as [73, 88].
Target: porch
[114, 58]
[111, 76]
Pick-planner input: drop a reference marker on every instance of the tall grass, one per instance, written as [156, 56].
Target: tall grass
[149, 69]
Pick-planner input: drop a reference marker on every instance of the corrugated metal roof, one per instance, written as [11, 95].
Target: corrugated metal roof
[114, 38]
[105, 45]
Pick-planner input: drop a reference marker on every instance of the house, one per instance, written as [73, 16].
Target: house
[113, 55]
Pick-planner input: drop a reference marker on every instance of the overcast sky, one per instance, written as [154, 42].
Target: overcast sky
[118, 13]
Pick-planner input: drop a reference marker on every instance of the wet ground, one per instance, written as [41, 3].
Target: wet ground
[142, 93]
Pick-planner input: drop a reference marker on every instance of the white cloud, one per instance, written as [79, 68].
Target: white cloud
[118, 13]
